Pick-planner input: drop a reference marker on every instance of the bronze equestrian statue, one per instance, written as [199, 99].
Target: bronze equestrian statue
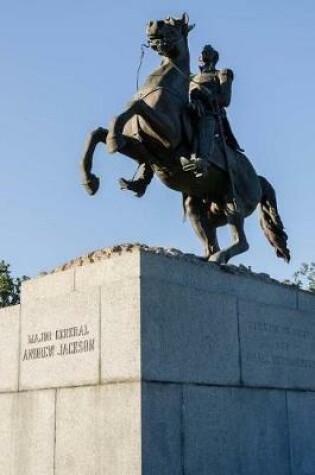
[162, 130]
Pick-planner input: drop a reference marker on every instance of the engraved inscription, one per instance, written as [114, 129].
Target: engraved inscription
[280, 330]
[58, 344]
[39, 338]
[263, 358]
[279, 344]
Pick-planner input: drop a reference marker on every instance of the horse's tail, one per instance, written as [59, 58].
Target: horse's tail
[270, 220]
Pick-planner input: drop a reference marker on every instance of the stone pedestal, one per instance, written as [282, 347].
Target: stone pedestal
[153, 362]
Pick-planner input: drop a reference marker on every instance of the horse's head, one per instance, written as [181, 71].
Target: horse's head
[164, 35]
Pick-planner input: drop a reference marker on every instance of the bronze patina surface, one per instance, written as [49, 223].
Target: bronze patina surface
[176, 128]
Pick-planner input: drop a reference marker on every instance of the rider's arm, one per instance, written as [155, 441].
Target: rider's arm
[226, 77]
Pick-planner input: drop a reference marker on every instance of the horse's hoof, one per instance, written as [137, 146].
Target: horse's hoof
[138, 187]
[92, 185]
[219, 258]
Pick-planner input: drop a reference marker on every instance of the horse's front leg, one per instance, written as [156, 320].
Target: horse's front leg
[235, 218]
[90, 181]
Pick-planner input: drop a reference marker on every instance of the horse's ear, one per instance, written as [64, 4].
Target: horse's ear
[172, 21]
[185, 18]
[191, 27]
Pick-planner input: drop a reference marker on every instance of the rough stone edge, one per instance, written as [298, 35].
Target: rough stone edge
[119, 249]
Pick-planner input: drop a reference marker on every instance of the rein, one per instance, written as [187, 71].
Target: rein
[140, 62]
[147, 45]
[142, 95]
[142, 53]
[187, 78]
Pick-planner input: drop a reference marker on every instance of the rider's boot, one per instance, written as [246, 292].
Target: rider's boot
[200, 161]
[195, 164]
[140, 182]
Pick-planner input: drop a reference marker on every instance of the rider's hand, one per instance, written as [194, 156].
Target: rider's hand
[226, 75]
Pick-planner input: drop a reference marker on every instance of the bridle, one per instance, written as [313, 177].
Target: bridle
[164, 42]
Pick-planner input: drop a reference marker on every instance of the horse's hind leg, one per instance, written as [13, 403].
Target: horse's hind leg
[203, 225]
[116, 141]
[235, 219]
[90, 181]
[161, 122]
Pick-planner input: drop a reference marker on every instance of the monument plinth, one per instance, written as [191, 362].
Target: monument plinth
[134, 360]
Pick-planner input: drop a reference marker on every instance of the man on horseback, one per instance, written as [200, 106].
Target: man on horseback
[210, 93]
[156, 130]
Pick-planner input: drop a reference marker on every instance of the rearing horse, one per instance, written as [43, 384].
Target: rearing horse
[157, 131]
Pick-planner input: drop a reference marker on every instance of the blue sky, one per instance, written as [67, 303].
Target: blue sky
[70, 66]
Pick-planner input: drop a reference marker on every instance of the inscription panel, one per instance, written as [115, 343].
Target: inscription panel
[60, 341]
[277, 347]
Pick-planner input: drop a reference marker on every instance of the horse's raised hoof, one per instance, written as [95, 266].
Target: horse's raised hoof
[92, 184]
[115, 143]
[137, 186]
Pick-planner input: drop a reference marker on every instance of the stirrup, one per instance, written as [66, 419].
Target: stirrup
[196, 164]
